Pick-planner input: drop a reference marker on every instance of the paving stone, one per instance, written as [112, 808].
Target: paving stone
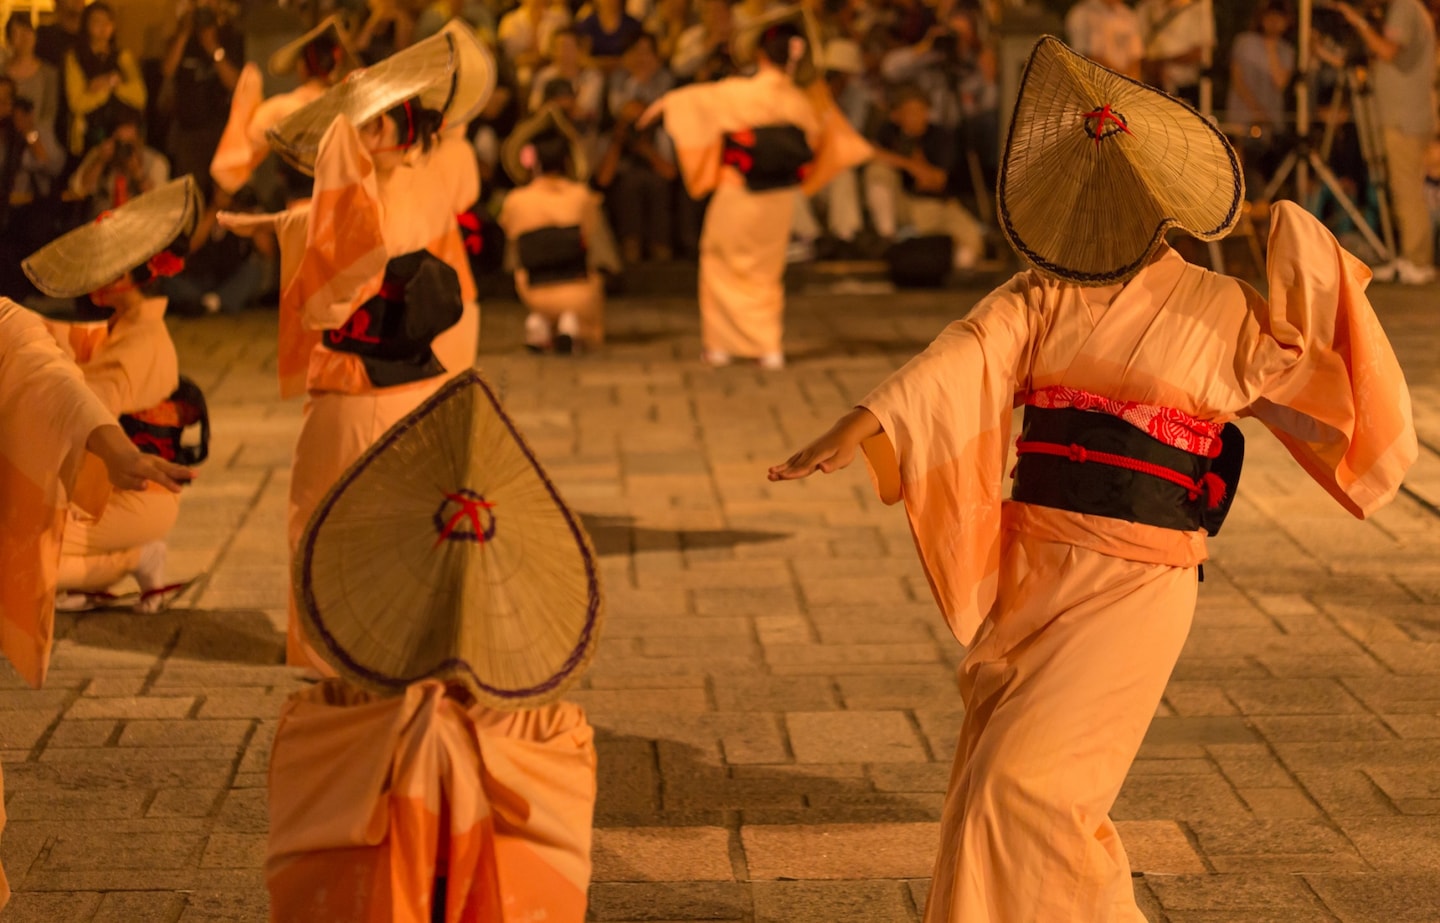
[1154, 797]
[840, 852]
[774, 693]
[39, 907]
[82, 805]
[137, 906]
[1249, 897]
[662, 854]
[1392, 898]
[1159, 847]
[669, 901]
[132, 707]
[856, 736]
[832, 902]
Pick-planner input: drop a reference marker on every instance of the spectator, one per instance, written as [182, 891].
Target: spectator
[637, 167]
[525, 34]
[389, 27]
[35, 80]
[924, 65]
[1261, 65]
[201, 69]
[119, 168]
[30, 159]
[669, 21]
[55, 40]
[703, 51]
[492, 125]
[1179, 38]
[607, 33]
[224, 271]
[101, 80]
[476, 13]
[1108, 33]
[587, 84]
[1403, 52]
[840, 199]
[909, 21]
[906, 184]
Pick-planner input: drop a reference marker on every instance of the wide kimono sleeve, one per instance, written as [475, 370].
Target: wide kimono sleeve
[237, 156]
[46, 416]
[839, 147]
[946, 419]
[698, 117]
[1330, 386]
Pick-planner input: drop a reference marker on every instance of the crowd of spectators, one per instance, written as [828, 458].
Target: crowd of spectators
[86, 124]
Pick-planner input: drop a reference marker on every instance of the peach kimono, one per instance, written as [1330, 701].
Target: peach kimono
[131, 366]
[553, 201]
[333, 256]
[243, 145]
[746, 234]
[1073, 622]
[385, 796]
[46, 416]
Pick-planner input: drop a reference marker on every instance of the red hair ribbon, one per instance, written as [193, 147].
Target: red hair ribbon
[165, 264]
[409, 125]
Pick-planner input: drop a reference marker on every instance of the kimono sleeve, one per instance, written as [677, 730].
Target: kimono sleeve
[1331, 388]
[697, 118]
[946, 420]
[839, 147]
[237, 155]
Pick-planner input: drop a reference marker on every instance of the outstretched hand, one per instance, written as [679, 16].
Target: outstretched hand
[131, 469]
[832, 451]
[651, 114]
[243, 224]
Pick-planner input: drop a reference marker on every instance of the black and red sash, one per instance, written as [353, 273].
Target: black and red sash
[391, 333]
[770, 157]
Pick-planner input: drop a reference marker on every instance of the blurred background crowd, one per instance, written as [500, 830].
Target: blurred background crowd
[101, 101]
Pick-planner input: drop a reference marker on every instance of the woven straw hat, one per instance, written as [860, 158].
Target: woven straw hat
[1098, 167]
[446, 552]
[96, 254]
[744, 45]
[450, 71]
[285, 58]
[549, 117]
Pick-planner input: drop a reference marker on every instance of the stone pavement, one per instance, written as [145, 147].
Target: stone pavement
[774, 695]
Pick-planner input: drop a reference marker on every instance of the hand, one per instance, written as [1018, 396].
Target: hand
[107, 150]
[101, 83]
[23, 121]
[209, 39]
[930, 179]
[129, 468]
[651, 114]
[832, 451]
[243, 225]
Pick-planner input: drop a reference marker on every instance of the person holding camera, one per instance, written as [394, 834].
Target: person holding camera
[1402, 49]
[1107, 32]
[201, 68]
[119, 168]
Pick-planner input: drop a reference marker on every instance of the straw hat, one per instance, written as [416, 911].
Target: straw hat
[843, 56]
[744, 45]
[549, 117]
[1098, 167]
[451, 71]
[446, 552]
[284, 60]
[96, 254]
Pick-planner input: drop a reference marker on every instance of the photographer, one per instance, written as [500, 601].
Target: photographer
[201, 69]
[1402, 49]
[119, 168]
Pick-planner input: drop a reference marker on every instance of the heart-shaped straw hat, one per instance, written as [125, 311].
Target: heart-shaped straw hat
[1098, 167]
[451, 71]
[446, 552]
[96, 254]
[547, 118]
[285, 58]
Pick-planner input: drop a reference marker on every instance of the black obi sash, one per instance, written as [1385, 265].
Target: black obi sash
[391, 333]
[770, 157]
[161, 429]
[1090, 462]
[553, 254]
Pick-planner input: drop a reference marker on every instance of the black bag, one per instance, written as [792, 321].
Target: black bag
[921, 262]
[553, 254]
[770, 157]
[161, 429]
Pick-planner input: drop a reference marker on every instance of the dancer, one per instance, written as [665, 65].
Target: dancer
[755, 141]
[129, 361]
[390, 174]
[1074, 597]
[559, 241]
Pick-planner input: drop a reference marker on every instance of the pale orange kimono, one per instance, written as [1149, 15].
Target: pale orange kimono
[333, 256]
[372, 799]
[46, 416]
[553, 201]
[1073, 622]
[243, 145]
[746, 234]
[131, 365]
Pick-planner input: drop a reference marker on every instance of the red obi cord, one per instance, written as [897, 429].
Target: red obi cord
[1211, 486]
[1175, 428]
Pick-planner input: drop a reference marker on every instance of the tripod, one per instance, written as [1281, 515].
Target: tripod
[1354, 82]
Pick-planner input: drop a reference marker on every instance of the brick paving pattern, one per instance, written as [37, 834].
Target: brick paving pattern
[774, 695]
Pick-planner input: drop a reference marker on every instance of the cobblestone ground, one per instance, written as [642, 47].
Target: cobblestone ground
[774, 694]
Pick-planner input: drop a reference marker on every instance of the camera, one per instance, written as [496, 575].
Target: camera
[1334, 28]
[124, 152]
[205, 18]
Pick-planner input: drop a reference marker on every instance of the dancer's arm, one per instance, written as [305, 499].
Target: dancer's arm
[832, 451]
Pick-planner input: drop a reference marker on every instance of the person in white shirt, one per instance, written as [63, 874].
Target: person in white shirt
[1179, 37]
[1108, 33]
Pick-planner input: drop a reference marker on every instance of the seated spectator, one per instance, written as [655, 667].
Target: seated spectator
[1261, 65]
[201, 68]
[1108, 33]
[119, 168]
[57, 38]
[101, 79]
[525, 34]
[224, 272]
[667, 22]
[637, 167]
[389, 27]
[35, 80]
[495, 123]
[906, 184]
[587, 84]
[607, 33]
[703, 51]
[909, 21]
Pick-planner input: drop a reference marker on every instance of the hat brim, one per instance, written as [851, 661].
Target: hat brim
[451, 72]
[547, 117]
[1093, 211]
[285, 59]
[744, 44]
[94, 255]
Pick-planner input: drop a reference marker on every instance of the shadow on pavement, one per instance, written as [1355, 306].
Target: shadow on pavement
[616, 535]
[224, 635]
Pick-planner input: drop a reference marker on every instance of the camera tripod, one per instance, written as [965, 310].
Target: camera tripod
[1354, 82]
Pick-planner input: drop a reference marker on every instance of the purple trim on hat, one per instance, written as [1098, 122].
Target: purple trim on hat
[454, 664]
